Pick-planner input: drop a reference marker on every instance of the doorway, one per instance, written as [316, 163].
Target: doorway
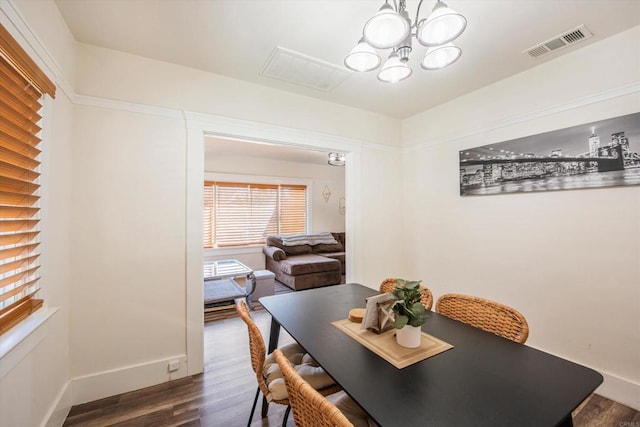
[199, 128]
[253, 190]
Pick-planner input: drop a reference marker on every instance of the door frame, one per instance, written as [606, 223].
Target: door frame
[198, 126]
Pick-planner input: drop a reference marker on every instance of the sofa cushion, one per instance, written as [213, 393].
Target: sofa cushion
[340, 256]
[306, 264]
[341, 237]
[274, 252]
[327, 248]
[274, 241]
[307, 239]
[297, 250]
[289, 250]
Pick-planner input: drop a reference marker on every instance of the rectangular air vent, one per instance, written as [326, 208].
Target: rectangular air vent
[295, 67]
[558, 42]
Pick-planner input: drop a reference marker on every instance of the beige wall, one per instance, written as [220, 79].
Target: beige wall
[129, 301]
[128, 243]
[117, 75]
[325, 215]
[569, 260]
[53, 44]
[146, 259]
[126, 175]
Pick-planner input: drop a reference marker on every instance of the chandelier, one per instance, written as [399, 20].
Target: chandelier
[391, 28]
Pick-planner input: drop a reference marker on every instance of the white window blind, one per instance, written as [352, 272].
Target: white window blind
[293, 209]
[241, 214]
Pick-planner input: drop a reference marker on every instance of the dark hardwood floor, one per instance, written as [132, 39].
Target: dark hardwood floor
[223, 394]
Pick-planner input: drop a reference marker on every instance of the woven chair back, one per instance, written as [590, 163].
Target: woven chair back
[390, 283]
[310, 408]
[485, 314]
[256, 345]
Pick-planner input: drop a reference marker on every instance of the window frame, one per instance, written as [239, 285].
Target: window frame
[259, 179]
[23, 130]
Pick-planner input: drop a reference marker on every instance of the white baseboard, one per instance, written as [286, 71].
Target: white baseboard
[60, 408]
[108, 383]
[105, 384]
[620, 390]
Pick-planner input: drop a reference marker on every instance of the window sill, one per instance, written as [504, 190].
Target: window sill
[234, 251]
[22, 338]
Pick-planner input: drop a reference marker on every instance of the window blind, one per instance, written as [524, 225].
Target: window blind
[22, 86]
[241, 214]
[293, 208]
[244, 213]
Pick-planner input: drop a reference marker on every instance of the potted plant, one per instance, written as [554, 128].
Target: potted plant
[409, 311]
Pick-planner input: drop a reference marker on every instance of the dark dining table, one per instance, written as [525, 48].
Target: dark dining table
[484, 380]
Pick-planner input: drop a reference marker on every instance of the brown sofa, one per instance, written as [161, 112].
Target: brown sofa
[306, 264]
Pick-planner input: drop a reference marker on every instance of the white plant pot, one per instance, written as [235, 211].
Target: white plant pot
[409, 336]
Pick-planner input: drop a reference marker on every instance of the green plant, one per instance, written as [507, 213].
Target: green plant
[408, 308]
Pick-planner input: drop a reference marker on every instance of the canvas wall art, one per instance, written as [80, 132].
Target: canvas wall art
[604, 153]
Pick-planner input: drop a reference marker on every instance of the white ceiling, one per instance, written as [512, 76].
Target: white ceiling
[235, 38]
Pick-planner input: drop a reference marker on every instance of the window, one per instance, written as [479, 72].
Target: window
[241, 214]
[22, 86]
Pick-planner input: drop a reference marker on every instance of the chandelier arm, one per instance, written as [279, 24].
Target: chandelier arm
[395, 5]
[415, 23]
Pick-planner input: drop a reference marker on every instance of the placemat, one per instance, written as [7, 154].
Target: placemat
[385, 345]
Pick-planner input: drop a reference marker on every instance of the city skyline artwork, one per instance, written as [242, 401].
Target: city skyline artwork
[603, 153]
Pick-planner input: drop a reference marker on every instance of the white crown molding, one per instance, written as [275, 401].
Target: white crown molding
[131, 107]
[224, 126]
[100, 384]
[228, 127]
[254, 131]
[262, 132]
[34, 46]
[417, 143]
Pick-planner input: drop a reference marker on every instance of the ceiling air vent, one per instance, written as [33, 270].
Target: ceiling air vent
[295, 67]
[558, 42]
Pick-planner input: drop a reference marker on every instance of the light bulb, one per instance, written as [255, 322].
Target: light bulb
[442, 26]
[386, 28]
[394, 70]
[362, 58]
[440, 57]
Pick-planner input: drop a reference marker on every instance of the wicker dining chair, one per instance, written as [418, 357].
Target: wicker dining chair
[390, 283]
[312, 409]
[268, 374]
[485, 314]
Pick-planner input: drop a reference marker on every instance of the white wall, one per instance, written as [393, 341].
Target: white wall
[136, 161]
[128, 243]
[568, 260]
[122, 257]
[106, 271]
[116, 75]
[382, 239]
[36, 371]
